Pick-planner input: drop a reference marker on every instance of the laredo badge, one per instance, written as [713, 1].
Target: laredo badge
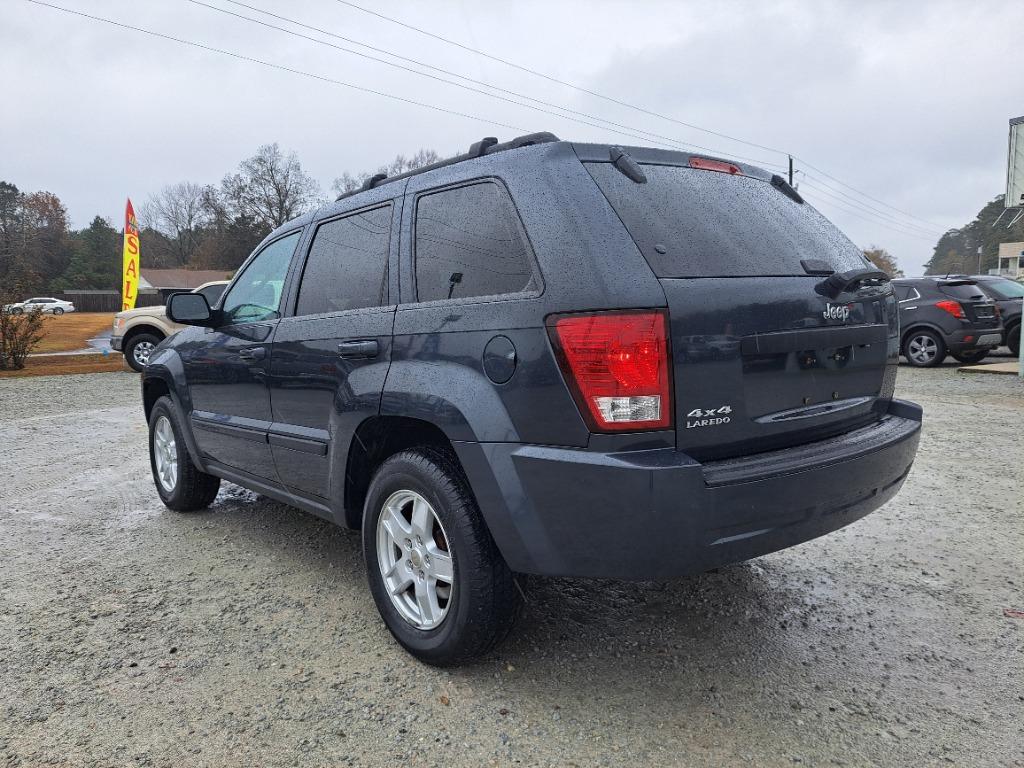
[708, 417]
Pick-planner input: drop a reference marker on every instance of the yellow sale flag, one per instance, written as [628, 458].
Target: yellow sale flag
[130, 258]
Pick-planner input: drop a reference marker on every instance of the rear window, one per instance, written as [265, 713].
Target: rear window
[715, 225]
[1004, 289]
[962, 291]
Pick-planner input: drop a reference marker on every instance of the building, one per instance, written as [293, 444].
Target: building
[168, 281]
[1011, 260]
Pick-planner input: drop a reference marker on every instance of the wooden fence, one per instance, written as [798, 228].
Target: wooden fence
[106, 301]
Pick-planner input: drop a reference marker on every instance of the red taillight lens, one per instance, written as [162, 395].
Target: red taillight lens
[703, 164]
[618, 367]
[953, 307]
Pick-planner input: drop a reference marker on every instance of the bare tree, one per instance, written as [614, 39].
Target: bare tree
[884, 260]
[20, 332]
[178, 211]
[270, 188]
[349, 183]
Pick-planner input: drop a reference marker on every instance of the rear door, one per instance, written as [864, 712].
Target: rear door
[765, 354]
[331, 355]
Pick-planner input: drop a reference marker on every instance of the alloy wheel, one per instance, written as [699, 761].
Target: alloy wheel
[922, 349]
[415, 559]
[165, 454]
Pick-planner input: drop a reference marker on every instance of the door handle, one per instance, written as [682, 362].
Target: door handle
[252, 354]
[357, 349]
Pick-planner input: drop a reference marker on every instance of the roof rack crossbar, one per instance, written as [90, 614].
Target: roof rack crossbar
[486, 146]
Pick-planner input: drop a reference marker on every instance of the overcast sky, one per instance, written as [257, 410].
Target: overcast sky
[907, 102]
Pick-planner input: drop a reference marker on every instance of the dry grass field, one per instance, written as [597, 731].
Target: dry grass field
[67, 333]
[57, 365]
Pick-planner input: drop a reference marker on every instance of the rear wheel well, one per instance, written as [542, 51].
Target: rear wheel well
[153, 390]
[914, 328]
[376, 440]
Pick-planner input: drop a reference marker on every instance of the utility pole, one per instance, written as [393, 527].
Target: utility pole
[979, 261]
[791, 170]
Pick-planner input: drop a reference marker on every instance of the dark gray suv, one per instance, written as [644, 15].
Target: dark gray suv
[542, 357]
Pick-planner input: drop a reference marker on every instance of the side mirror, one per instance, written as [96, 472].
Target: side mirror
[190, 309]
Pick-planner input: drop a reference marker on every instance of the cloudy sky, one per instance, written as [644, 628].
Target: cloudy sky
[907, 103]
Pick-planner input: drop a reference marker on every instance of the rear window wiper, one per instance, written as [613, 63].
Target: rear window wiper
[839, 282]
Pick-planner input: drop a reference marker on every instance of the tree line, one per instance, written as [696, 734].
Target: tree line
[184, 225]
[957, 251]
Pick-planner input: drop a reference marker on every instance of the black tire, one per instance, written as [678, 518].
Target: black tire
[920, 361]
[17, 311]
[194, 488]
[1013, 340]
[58, 311]
[133, 343]
[970, 358]
[485, 601]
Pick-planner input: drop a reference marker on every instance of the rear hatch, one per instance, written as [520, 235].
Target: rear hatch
[978, 307]
[766, 353]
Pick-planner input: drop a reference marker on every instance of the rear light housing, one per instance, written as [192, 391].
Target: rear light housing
[953, 307]
[706, 164]
[618, 367]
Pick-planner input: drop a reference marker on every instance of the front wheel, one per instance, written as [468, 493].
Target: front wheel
[924, 349]
[970, 358]
[1013, 341]
[436, 575]
[138, 349]
[182, 486]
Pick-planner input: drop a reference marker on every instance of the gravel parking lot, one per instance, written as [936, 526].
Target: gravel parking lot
[245, 635]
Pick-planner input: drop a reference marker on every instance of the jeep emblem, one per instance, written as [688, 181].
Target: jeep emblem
[836, 312]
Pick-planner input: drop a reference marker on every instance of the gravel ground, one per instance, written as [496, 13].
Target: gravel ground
[245, 635]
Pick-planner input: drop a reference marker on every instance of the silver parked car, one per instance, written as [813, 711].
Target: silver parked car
[42, 304]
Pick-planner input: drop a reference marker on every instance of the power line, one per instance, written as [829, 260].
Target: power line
[629, 130]
[271, 65]
[830, 193]
[619, 102]
[845, 208]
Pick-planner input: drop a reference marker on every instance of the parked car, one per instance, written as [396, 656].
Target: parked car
[42, 304]
[484, 365]
[1009, 297]
[138, 331]
[942, 316]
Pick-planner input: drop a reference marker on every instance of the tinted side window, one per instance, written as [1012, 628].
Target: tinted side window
[347, 264]
[468, 243]
[256, 295]
[902, 292]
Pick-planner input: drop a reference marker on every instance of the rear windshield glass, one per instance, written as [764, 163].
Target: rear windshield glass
[716, 225]
[964, 291]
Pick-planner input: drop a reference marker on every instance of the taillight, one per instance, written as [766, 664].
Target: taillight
[617, 365]
[953, 307]
[704, 164]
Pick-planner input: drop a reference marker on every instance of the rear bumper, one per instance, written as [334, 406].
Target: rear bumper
[658, 514]
[980, 338]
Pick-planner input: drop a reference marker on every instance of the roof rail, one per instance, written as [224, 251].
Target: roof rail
[486, 146]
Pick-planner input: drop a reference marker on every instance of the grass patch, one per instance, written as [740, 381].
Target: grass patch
[66, 333]
[60, 365]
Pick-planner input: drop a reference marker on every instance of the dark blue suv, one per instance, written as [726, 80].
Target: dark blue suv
[542, 357]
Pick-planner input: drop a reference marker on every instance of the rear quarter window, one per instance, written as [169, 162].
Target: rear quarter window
[468, 243]
[717, 225]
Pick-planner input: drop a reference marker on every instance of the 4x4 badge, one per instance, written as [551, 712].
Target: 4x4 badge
[836, 312]
[708, 417]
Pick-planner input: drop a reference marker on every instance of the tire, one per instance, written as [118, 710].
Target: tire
[58, 311]
[482, 601]
[190, 489]
[1013, 340]
[138, 350]
[924, 349]
[17, 311]
[970, 358]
